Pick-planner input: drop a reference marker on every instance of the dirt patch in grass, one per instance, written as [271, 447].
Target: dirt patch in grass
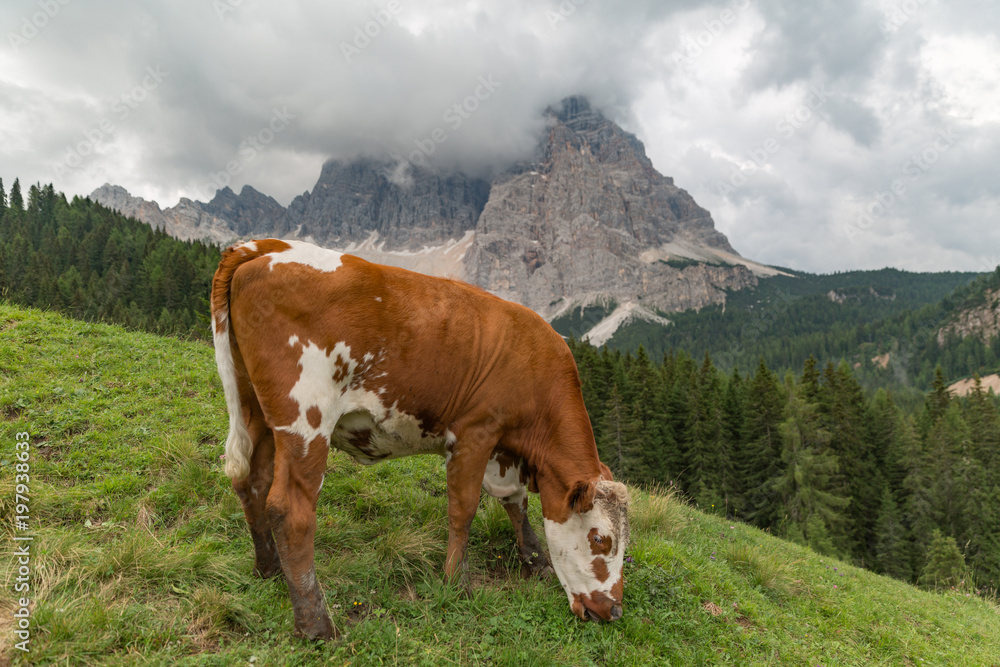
[712, 608]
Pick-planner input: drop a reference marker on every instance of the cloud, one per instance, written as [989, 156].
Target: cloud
[706, 86]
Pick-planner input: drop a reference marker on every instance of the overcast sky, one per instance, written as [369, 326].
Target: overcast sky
[822, 136]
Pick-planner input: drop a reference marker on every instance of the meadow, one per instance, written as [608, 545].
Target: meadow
[141, 554]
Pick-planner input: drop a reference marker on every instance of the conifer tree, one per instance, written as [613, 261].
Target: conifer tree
[893, 551]
[16, 202]
[804, 486]
[945, 566]
[620, 442]
[759, 459]
[984, 535]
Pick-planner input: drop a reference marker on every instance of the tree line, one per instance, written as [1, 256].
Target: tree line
[90, 262]
[811, 457]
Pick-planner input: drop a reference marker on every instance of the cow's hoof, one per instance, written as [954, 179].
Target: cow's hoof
[266, 571]
[322, 629]
[536, 571]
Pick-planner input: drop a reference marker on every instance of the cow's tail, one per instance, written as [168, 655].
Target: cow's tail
[239, 446]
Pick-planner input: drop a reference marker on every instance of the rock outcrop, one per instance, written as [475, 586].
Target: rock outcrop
[573, 225]
[407, 207]
[982, 321]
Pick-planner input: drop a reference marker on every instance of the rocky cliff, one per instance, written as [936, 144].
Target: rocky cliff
[589, 217]
[405, 207]
[586, 219]
[982, 321]
[227, 217]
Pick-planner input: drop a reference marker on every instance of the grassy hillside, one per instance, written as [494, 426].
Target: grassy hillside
[141, 554]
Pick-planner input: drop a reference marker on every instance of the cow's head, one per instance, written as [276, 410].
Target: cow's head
[588, 549]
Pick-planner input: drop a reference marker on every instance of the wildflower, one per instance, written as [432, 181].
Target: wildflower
[835, 585]
[222, 457]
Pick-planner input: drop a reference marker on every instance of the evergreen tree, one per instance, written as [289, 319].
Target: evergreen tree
[984, 535]
[620, 443]
[759, 459]
[16, 203]
[945, 566]
[733, 406]
[805, 484]
[894, 551]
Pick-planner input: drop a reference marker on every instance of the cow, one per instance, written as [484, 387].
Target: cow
[318, 349]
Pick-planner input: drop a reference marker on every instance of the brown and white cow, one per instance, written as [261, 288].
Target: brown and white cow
[319, 349]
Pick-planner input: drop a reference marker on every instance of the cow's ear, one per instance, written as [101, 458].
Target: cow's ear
[581, 496]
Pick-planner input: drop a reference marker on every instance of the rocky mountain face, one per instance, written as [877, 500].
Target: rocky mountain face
[982, 321]
[587, 219]
[407, 207]
[227, 217]
[572, 225]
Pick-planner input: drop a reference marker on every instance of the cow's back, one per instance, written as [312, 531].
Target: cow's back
[413, 352]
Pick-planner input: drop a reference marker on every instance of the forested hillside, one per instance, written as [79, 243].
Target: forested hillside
[92, 263]
[811, 457]
[855, 316]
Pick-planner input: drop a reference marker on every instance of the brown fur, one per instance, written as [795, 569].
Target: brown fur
[491, 372]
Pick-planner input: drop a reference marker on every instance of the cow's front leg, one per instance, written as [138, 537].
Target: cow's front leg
[291, 510]
[465, 469]
[528, 545]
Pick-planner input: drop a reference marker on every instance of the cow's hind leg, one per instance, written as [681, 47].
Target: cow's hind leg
[503, 482]
[291, 510]
[252, 492]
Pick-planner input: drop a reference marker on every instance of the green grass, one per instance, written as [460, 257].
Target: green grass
[142, 555]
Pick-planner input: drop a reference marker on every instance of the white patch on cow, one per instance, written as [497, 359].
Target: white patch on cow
[327, 382]
[321, 480]
[293, 340]
[368, 357]
[571, 555]
[379, 299]
[250, 245]
[503, 484]
[318, 258]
